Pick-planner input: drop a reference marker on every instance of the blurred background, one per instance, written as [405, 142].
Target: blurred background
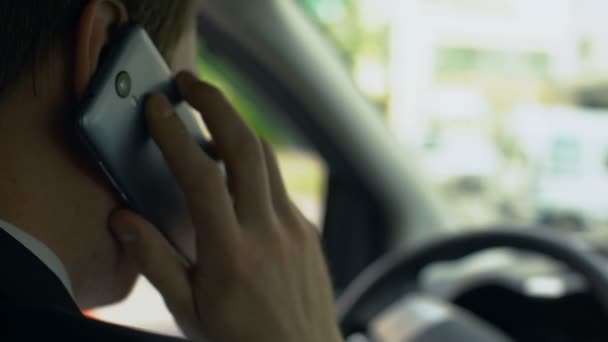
[502, 99]
[503, 102]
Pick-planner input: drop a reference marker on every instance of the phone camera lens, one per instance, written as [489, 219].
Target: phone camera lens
[123, 84]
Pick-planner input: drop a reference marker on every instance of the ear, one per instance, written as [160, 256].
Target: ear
[98, 22]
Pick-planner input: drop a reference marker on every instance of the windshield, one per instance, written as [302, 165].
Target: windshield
[503, 102]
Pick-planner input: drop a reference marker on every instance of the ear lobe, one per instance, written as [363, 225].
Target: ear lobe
[98, 21]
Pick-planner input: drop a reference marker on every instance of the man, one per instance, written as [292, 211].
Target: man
[66, 245]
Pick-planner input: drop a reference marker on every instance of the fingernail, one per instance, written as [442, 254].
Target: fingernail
[163, 106]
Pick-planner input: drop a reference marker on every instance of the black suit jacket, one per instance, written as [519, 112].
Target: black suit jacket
[35, 306]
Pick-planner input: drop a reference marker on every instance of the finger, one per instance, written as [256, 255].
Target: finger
[281, 201]
[236, 144]
[157, 261]
[199, 177]
[278, 192]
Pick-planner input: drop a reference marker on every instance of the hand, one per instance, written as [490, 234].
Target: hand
[260, 274]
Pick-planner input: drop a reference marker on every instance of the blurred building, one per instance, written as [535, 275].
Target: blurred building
[473, 41]
[400, 49]
[504, 53]
[450, 74]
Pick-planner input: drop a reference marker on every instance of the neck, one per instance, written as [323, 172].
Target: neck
[27, 182]
[52, 189]
[49, 189]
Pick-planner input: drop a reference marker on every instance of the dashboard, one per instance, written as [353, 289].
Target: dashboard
[573, 317]
[525, 295]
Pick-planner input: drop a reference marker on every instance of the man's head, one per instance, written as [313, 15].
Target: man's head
[37, 29]
[49, 51]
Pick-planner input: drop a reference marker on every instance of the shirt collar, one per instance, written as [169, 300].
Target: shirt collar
[41, 251]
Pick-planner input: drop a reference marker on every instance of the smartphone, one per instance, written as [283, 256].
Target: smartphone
[112, 125]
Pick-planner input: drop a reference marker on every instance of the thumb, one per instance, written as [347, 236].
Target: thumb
[157, 260]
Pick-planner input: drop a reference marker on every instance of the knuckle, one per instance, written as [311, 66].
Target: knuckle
[298, 235]
[206, 179]
[305, 233]
[248, 145]
[277, 240]
[266, 214]
[287, 213]
[290, 217]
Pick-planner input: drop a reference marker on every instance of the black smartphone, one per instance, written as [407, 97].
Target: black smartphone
[111, 123]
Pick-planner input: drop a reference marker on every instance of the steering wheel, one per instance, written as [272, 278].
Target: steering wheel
[391, 283]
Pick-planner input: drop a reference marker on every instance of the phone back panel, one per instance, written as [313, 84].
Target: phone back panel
[115, 130]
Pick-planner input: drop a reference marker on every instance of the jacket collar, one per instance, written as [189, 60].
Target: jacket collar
[28, 282]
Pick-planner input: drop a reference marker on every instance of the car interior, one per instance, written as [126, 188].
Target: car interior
[416, 134]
